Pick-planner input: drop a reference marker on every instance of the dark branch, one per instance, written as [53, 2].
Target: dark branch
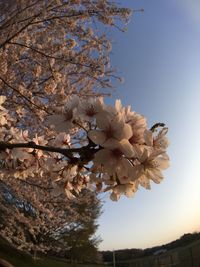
[86, 152]
[156, 125]
[70, 60]
[63, 151]
[23, 96]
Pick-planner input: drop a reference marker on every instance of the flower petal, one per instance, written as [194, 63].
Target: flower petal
[126, 148]
[98, 137]
[103, 120]
[123, 131]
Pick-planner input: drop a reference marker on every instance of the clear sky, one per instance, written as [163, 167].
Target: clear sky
[159, 59]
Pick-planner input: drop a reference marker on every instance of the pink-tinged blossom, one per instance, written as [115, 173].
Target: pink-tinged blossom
[64, 122]
[138, 125]
[62, 139]
[157, 140]
[89, 108]
[113, 162]
[124, 153]
[150, 166]
[123, 189]
[21, 153]
[112, 130]
[40, 140]
[116, 110]
[60, 188]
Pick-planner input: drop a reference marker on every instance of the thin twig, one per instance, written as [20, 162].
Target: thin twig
[23, 96]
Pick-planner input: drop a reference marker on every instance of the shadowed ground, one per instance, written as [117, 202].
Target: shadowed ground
[20, 259]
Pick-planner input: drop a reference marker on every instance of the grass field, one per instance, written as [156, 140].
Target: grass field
[20, 259]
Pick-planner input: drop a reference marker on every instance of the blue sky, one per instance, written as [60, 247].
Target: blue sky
[159, 59]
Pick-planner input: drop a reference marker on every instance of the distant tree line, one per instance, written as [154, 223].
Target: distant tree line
[129, 254]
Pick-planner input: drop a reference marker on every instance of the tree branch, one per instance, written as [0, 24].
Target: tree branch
[23, 96]
[70, 61]
[64, 151]
[85, 151]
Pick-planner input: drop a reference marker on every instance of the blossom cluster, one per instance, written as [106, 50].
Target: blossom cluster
[37, 69]
[89, 144]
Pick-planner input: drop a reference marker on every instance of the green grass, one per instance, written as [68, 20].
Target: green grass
[21, 259]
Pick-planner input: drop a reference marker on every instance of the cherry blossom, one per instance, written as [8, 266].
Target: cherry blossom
[127, 189]
[89, 108]
[150, 167]
[111, 130]
[63, 122]
[157, 140]
[57, 136]
[118, 165]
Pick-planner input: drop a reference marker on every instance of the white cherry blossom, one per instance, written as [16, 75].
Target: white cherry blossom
[150, 167]
[123, 151]
[64, 122]
[111, 130]
[90, 107]
[62, 139]
[126, 189]
[113, 162]
[157, 140]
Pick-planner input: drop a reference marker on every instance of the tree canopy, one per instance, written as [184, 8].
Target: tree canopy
[57, 136]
